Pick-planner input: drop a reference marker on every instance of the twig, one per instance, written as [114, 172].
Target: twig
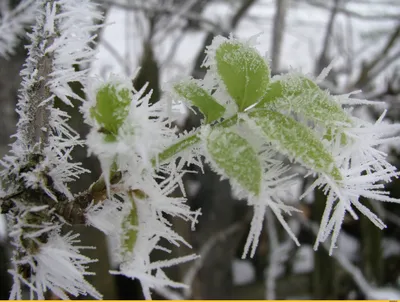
[323, 60]
[121, 61]
[365, 73]
[204, 251]
[353, 13]
[163, 10]
[246, 4]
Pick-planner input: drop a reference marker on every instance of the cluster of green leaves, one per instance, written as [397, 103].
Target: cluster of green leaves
[264, 105]
[268, 105]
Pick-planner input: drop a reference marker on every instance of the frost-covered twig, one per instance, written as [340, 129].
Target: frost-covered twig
[39, 167]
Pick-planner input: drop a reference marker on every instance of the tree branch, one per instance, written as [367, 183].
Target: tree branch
[323, 59]
[365, 75]
[354, 14]
[163, 10]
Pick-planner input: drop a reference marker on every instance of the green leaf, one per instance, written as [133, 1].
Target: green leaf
[296, 140]
[236, 158]
[301, 95]
[174, 149]
[111, 109]
[129, 234]
[199, 97]
[244, 72]
[282, 88]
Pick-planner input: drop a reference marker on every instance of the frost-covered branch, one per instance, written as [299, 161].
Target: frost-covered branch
[39, 166]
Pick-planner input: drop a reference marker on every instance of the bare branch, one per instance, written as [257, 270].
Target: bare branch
[382, 56]
[354, 14]
[164, 10]
[205, 250]
[246, 4]
[323, 59]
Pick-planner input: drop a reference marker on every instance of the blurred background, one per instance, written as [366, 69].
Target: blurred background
[167, 38]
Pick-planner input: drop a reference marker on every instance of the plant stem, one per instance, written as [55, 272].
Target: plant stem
[189, 141]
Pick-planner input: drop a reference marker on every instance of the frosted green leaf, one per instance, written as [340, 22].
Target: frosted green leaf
[235, 156]
[244, 72]
[111, 109]
[286, 87]
[295, 140]
[129, 233]
[301, 95]
[174, 149]
[199, 97]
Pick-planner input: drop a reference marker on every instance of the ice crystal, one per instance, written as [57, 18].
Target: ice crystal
[13, 24]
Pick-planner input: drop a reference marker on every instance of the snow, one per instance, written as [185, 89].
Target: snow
[243, 272]
[384, 293]
[390, 247]
[304, 260]
[193, 187]
[349, 246]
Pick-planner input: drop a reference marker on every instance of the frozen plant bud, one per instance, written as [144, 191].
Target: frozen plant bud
[111, 109]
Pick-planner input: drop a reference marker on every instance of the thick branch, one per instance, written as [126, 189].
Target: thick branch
[35, 112]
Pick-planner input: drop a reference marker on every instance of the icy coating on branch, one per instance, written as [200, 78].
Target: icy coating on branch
[39, 167]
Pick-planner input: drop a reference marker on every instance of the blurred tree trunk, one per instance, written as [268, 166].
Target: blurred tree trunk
[277, 34]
